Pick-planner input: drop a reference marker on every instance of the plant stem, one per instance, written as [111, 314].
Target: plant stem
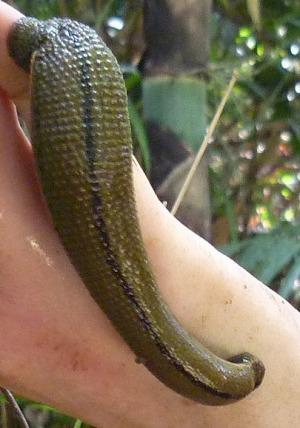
[203, 146]
[15, 406]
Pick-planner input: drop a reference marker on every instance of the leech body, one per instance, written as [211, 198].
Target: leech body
[82, 144]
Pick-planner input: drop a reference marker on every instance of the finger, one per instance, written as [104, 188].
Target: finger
[16, 161]
[12, 79]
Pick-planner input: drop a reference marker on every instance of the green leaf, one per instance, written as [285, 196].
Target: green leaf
[140, 134]
[288, 283]
[289, 178]
[260, 49]
[178, 104]
[245, 32]
[265, 256]
[233, 248]
[132, 81]
[231, 217]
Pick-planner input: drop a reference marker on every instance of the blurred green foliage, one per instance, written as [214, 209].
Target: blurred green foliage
[254, 159]
[258, 140]
[255, 156]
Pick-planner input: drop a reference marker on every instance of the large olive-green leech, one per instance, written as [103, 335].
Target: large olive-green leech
[82, 144]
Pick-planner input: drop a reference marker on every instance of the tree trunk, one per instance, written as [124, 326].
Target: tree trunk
[174, 97]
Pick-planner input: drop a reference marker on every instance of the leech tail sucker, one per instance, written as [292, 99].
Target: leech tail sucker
[82, 143]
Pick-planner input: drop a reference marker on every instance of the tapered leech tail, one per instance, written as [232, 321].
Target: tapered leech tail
[88, 142]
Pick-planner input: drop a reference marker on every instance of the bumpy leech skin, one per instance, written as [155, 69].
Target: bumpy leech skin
[82, 144]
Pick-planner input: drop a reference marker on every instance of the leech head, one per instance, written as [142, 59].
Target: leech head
[24, 38]
[28, 34]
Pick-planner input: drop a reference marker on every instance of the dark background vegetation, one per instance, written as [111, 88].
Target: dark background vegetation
[253, 159]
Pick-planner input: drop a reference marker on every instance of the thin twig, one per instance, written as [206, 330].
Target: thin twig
[3, 419]
[203, 146]
[15, 406]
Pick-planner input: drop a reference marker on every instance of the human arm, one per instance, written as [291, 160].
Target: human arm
[58, 347]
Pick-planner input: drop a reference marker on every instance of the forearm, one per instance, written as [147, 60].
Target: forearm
[231, 312]
[83, 367]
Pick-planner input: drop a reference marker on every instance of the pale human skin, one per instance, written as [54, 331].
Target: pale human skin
[56, 345]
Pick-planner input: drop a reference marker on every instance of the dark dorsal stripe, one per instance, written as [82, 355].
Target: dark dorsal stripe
[111, 258]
